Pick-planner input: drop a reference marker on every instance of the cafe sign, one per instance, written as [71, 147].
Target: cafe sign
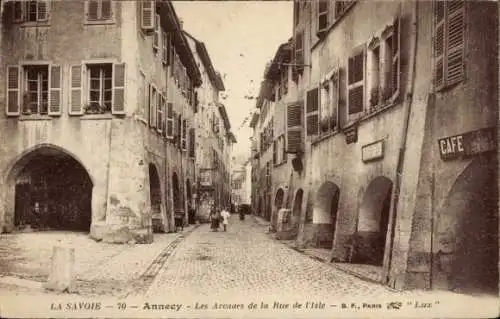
[467, 144]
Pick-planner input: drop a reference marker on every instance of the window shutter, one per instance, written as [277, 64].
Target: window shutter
[170, 120]
[322, 15]
[183, 137]
[283, 147]
[18, 10]
[439, 19]
[159, 112]
[76, 106]
[165, 48]
[42, 10]
[335, 98]
[118, 89]
[192, 142]
[148, 15]
[396, 60]
[106, 9]
[156, 36]
[294, 128]
[356, 83]
[275, 152]
[13, 91]
[455, 41]
[312, 114]
[164, 115]
[150, 106]
[55, 90]
[299, 52]
[93, 10]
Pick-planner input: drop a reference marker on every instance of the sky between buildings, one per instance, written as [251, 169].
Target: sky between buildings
[241, 37]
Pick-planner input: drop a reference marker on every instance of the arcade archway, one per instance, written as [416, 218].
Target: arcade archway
[325, 214]
[49, 189]
[155, 197]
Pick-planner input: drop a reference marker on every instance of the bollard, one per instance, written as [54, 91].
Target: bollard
[62, 270]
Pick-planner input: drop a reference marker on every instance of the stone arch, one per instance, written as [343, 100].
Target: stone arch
[156, 198]
[278, 199]
[324, 214]
[373, 222]
[297, 203]
[466, 244]
[35, 193]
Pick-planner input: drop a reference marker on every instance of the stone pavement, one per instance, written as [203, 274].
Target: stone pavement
[245, 261]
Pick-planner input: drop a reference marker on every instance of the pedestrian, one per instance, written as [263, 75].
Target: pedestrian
[225, 218]
[214, 219]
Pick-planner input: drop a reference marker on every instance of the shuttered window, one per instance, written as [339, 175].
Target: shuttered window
[355, 83]
[322, 16]
[118, 89]
[148, 15]
[449, 37]
[184, 134]
[29, 11]
[298, 54]
[170, 121]
[165, 43]
[294, 128]
[153, 96]
[36, 89]
[192, 142]
[13, 91]
[312, 114]
[76, 100]
[157, 33]
[159, 113]
[55, 90]
[98, 10]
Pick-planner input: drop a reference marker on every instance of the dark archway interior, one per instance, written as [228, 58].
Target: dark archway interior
[176, 193]
[154, 191]
[467, 231]
[373, 222]
[53, 191]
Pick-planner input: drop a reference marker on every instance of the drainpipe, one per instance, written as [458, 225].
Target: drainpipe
[404, 134]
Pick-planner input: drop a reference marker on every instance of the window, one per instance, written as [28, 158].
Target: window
[100, 88]
[147, 15]
[184, 134]
[279, 150]
[449, 33]
[192, 142]
[157, 33]
[355, 82]
[29, 11]
[374, 75]
[142, 96]
[298, 53]
[322, 16]
[153, 104]
[341, 8]
[312, 114]
[170, 121]
[98, 10]
[329, 100]
[165, 43]
[159, 113]
[294, 128]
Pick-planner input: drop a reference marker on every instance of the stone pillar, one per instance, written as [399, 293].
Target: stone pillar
[61, 276]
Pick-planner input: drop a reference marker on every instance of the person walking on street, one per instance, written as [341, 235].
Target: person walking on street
[214, 220]
[225, 218]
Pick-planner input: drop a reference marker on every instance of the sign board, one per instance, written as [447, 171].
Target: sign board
[351, 134]
[373, 151]
[205, 178]
[467, 144]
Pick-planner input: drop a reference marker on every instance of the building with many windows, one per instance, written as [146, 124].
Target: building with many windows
[213, 138]
[392, 111]
[99, 110]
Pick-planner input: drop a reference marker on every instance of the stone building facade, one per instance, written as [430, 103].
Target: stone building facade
[99, 109]
[398, 126]
[213, 139]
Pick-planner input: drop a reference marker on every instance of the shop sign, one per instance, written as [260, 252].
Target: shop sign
[206, 178]
[467, 144]
[373, 151]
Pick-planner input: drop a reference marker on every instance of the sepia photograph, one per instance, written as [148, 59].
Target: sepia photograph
[249, 159]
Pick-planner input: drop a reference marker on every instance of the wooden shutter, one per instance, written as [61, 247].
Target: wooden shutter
[439, 45]
[156, 36]
[396, 60]
[275, 152]
[184, 133]
[322, 15]
[76, 76]
[170, 121]
[356, 83]
[192, 142]
[42, 10]
[455, 25]
[294, 128]
[148, 15]
[334, 100]
[106, 9]
[164, 115]
[18, 10]
[150, 105]
[312, 114]
[165, 48]
[13, 90]
[299, 52]
[159, 112]
[93, 9]
[118, 89]
[55, 89]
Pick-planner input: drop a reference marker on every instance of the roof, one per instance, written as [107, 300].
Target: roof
[213, 75]
[283, 55]
[225, 118]
[180, 41]
[255, 118]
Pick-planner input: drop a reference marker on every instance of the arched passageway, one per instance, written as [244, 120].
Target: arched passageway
[49, 189]
[191, 210]
[373, 221]
[324, 214]
[296, 211]
[176, 193]
[155, 197]
[466, 246]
